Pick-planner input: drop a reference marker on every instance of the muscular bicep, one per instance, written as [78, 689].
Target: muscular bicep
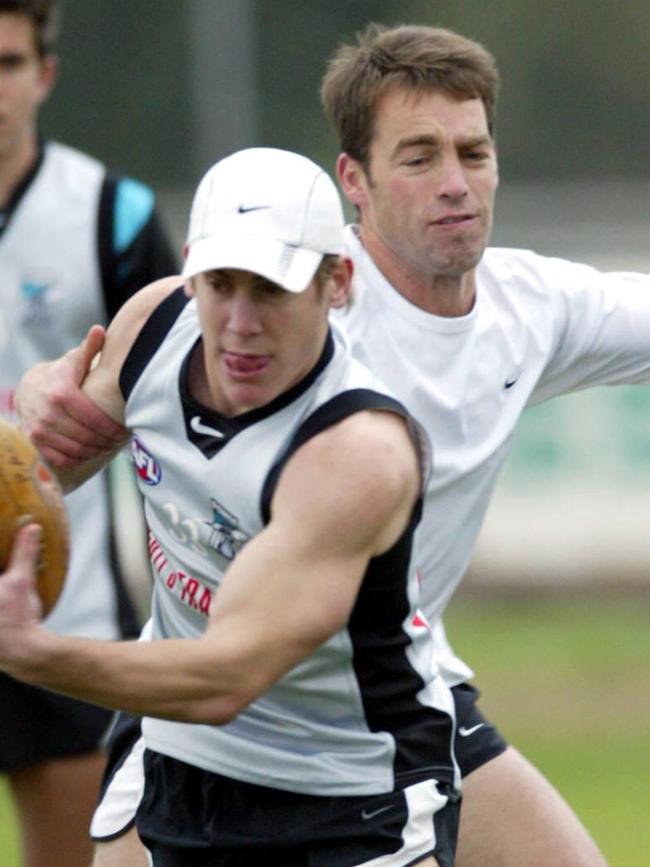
[343, 498]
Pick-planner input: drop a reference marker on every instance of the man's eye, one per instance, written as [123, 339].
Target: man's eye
[416, 161]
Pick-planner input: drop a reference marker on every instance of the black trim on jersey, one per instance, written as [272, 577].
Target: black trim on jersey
[147, 258]
[333, 411]
[380, 658]
[7, 212]
[375, 626]
[150, 338]
[226, 427]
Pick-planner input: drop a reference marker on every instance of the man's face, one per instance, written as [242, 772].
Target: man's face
[258, 339]
[25, 81]
[427, 197]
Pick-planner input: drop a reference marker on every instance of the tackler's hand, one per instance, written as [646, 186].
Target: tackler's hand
[64, 424]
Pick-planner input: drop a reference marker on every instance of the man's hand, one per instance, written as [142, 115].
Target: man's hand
[20, 606]
[66, 426]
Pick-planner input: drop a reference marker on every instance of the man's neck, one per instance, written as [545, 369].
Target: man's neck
[441, 295]
[15, 162]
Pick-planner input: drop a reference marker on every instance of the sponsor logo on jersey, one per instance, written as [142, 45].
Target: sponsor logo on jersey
[188, 589]
[225, 536]
[146, 466]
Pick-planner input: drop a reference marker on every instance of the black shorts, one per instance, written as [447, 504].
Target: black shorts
[477, 741]
[189, 817]
[37, 725]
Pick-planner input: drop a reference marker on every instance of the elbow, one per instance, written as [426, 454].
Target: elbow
[221, 710]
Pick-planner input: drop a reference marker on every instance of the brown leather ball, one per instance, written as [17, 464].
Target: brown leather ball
[29, 493]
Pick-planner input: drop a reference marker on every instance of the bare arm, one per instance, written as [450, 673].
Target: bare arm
[71, 407]
[344, 497]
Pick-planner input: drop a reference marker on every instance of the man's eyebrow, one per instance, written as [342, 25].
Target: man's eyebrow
[415, 140]
[475, 141]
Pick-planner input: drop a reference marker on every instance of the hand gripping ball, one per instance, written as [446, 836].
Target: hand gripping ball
[29, 493]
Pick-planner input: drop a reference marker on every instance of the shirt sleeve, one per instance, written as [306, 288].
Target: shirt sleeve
[602, 329]
[133, 248]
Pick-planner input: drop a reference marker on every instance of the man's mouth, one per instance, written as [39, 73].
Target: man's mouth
[243, 364]
[454, 219]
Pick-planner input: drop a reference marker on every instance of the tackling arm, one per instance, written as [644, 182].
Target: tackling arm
[71, 408]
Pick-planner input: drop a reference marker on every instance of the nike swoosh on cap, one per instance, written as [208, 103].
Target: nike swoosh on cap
[198, 427]
[244, 209]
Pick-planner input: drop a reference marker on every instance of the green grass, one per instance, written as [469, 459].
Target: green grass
[9, 852]
[568, 682]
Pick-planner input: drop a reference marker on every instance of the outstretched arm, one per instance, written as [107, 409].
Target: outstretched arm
[287, 592]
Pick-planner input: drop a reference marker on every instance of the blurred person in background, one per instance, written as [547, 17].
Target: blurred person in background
[467, 336]
[75, 242]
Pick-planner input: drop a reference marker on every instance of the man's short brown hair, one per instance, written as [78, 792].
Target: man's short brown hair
[410, 56]
[44, 15]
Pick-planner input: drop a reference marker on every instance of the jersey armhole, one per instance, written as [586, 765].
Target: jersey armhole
[339, 407]
[148, 341]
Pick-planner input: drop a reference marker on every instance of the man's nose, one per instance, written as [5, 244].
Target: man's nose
[243, 314]
[452, 181]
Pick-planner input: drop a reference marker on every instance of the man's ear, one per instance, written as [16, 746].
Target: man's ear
[48, 75]
[353, 179]
[188, 287]
[340, 282]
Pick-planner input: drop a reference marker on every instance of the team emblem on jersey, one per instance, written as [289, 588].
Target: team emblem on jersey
[225, 536]
[35, 295]
[146, 466]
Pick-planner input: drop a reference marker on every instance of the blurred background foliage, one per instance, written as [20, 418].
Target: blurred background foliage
[574, 97]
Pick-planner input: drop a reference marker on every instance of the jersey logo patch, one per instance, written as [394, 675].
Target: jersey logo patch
[34, 295]
[146, 466]
[225, 536]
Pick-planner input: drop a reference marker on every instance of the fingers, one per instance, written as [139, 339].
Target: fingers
[25, 550]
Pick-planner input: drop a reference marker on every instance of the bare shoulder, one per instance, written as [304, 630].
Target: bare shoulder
[130, 318]
[360, 476]
[373, 443]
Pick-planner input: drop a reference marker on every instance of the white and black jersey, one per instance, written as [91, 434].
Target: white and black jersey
[540, 327]
[363, 714]
[75, 242]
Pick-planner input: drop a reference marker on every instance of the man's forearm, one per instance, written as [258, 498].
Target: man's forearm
[173, 679]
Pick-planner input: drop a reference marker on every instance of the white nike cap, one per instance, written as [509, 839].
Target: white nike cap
[268, 211]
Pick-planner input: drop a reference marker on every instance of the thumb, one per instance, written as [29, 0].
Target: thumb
[83, 355]
[25, 550]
